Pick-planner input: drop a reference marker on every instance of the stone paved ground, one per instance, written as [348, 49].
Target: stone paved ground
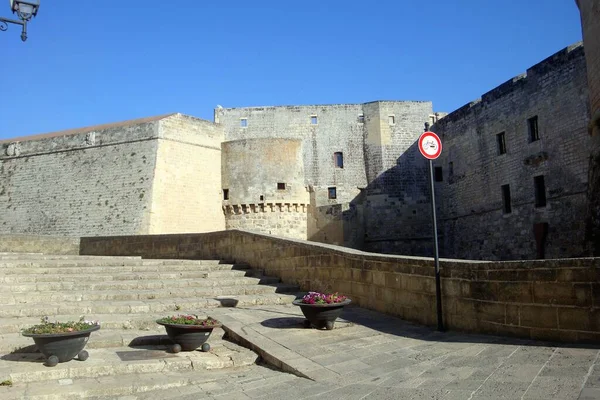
[373, 356]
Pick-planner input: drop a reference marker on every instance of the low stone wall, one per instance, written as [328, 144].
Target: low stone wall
[540, 299]
[39, 244]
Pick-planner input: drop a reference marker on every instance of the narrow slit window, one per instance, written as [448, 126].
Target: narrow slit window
[540, 191]
[506, 201]
[438, 174]
[243, 123]
[225, 194]
[361, 119]
[280, 185]
[338, 159]
[501, 140]
[314, 120]
[332, 193]
[534, 133]
[392, 120]
[450, 169]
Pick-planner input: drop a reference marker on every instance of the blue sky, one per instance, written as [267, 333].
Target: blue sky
[92, 62]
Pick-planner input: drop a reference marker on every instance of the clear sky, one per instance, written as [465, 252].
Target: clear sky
[88, 62]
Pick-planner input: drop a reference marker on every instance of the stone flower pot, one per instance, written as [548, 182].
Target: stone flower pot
[321, 315]
[188, 337]
[62, 347]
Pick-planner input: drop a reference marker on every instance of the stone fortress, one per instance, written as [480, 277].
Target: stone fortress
[516, 180]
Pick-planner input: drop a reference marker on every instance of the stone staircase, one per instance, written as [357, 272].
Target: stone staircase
[126, 294]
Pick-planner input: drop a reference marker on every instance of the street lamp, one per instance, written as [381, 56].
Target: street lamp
[25, 10]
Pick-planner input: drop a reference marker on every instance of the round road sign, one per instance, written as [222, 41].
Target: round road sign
[430, 145]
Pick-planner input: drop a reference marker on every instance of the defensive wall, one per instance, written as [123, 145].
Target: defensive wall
[346, 148]
[159, 174]
[263, 186]
[541, 299]
[515, 163]
[590, 27]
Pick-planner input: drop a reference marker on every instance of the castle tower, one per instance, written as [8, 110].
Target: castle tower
[263, 186]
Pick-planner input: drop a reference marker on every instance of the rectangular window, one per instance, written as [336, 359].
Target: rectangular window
[313, 120]
[506, 202]
[225, 194]
[392, 120]
[501, 140]
[540, 191]
[361, 119]
[339, 159]
[243, 123]
[280, 185]
[534, 133]
[438, 174]
[332, 193]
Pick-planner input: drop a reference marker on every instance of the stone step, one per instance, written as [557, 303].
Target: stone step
[91, 261]
[48, 257]
[34, 297]
[89, 308]
[165, 385]
[120, 362]
[64, 283]
[119, 269]
[133, 284]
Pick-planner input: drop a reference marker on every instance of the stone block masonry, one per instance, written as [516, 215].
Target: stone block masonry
[134, 177]
[518, 159]
[556, 300]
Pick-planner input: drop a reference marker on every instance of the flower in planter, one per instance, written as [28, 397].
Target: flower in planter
[189, 320]
[47, 327]
[323, 298]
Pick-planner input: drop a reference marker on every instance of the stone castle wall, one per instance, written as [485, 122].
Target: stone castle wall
[152, 175]
[372, 137]
[187, 186]
[472, 219]
[263, 186]
[96, 182]
[590, 23]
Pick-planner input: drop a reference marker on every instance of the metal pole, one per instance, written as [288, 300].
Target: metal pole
[438, 286]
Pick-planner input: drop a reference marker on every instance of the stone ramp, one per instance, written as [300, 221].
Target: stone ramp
[127, 295]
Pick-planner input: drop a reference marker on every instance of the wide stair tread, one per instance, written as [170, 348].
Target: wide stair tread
[141, 293]
[116, 270]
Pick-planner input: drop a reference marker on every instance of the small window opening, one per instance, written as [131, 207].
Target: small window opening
[332, 193]
[506, 201]
[280, 185]
[501, 140]
[438, 174]
[313, 120]
[243, 122]
[338, 159]
[534, 133]
[225, 194]
[392, 120]
[540, 191]
[262, 198]
[361, 119]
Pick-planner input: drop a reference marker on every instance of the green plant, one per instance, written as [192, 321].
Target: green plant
[60, 327]
[7, 382]
[189, 320]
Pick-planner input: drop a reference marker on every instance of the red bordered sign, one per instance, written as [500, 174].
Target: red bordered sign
[430, 145]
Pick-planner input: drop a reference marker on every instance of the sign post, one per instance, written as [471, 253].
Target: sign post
[430, 147]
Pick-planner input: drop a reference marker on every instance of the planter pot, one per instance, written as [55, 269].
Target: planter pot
[321, 315]
[62, 347]
[188, 337]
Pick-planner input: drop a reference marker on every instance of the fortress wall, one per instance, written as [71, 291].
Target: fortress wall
[252, 172]
[187, 182]
[472, 221]
[93, 181]
[535, 299]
